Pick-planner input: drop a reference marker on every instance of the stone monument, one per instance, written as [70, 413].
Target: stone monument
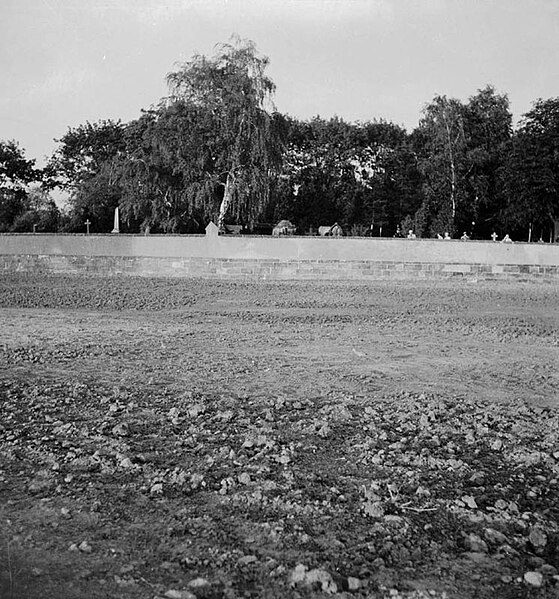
[116, 226]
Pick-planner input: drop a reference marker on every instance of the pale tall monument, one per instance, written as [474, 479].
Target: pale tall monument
[116, 226]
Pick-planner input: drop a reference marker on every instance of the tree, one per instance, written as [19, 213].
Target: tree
[313, 168]
[16, 172]
[40, 214]
[531, 172]
[82, 151]
[238, 133]
[339, 171]
[85, 165]
[460, 149]
[15, 169]
[441, 143]
[488, 124]
[163, 171]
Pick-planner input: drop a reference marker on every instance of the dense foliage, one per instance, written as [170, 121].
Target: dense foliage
[217, 150]
[23, 206]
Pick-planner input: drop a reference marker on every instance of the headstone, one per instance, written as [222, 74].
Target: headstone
[336, 230]
[284, 227]
[212, 230]
[87, 223]
[233, 229]
[116, 226]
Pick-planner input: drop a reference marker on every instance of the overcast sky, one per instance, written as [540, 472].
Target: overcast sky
[65, 62]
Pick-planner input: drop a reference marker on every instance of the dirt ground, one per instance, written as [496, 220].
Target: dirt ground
[186, 438]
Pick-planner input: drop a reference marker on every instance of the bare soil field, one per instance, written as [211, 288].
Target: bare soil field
[183, 439]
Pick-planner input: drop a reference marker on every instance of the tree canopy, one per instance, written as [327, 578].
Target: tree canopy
[216, 149]
[460, 150]
[531, 170]
[228, 99]
[20, 208]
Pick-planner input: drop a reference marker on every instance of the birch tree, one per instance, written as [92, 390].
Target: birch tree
[241, 141]
[443, 146]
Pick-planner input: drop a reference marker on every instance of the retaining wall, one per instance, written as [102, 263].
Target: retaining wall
[212, 256]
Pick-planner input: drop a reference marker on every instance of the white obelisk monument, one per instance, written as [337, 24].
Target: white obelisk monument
[116, 227]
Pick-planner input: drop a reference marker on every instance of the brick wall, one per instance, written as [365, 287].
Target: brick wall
[211, 256]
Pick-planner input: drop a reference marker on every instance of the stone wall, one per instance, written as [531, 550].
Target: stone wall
[212, 256]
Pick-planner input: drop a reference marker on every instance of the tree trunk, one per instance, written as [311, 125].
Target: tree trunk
[452, 168]
[226, 202]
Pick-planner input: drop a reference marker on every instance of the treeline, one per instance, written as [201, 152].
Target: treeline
[216, 150]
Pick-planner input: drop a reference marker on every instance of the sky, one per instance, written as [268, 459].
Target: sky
[66, 62]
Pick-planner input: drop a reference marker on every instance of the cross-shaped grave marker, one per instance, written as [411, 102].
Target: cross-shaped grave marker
[87, 223]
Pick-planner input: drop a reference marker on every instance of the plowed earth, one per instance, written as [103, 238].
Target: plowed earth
[189, 438]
